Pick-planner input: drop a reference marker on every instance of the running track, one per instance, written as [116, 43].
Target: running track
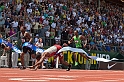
[60, 75]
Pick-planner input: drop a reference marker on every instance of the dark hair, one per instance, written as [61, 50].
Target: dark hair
[24, 28]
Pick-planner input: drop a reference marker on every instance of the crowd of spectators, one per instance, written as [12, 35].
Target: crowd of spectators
[55, 21]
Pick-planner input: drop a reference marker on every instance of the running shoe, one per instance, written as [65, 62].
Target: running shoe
[69, 67]
[76, 63]
[22, 67]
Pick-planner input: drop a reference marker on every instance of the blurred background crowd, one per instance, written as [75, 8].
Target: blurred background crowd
[54, 21]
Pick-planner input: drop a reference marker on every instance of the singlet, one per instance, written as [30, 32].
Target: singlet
[58, 47]
[77, 41]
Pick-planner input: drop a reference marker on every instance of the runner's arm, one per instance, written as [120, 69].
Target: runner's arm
[70, 41]
[83, 38]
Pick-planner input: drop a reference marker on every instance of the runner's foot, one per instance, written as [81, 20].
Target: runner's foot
[22, 67]
[76, 63]
[69, 67]
[31, 67]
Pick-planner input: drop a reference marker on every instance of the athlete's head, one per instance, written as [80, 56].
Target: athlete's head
[76, 32]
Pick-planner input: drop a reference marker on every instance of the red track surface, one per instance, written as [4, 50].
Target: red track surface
[60, 75]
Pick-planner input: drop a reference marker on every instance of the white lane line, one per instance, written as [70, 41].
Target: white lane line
[48, 75]
[35, 80]
[109, 80]
[59, 79]
[10, 73]
[66, 76]
[17, 76]
[28, 79]
[93, 81]
[39, 79]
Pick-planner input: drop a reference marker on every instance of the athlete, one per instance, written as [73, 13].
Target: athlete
[26, 37]
[78, 43]
[52, 52]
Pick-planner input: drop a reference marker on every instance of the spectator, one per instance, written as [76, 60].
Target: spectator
[7, 25]
[57, 39]
[15, 24]
[64, 35]
[47, 37]
[36, 38]
[14, 57]
[39, 43]
[2, 21]
[28, 25]
[106, 22]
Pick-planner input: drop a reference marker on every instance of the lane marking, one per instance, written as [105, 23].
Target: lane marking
[28, 79]
[59, 79]
[10, 73]
[67, 76]
[109, 80]
[35, 80]
[16, 76]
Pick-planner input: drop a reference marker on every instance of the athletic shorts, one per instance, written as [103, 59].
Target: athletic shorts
[51, 50]
[58, 55]
[27, 49]
[79, 47]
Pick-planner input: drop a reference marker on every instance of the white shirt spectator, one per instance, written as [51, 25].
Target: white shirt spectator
[53, 25]
[115, 36]
[119, 40]
[78, 29]
[43, 17]
[51, 5]
[120, 26]
[57, 39]
[2, 20]
[61, 5]
[40, 0]
[122, 36]
[29, 10]
[83, 19]
[47, 33]
[28, 26]
[68, 17]
[74, 14]
[86, 25]
[45, 22]
[19, 6]
[14, 24]
[39, 44]
[36, 39]
[79, 21]
[100, 17]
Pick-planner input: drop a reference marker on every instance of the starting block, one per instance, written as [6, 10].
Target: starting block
[112, 65]
[3, 61]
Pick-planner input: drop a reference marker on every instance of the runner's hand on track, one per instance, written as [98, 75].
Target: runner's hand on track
[31, 67]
